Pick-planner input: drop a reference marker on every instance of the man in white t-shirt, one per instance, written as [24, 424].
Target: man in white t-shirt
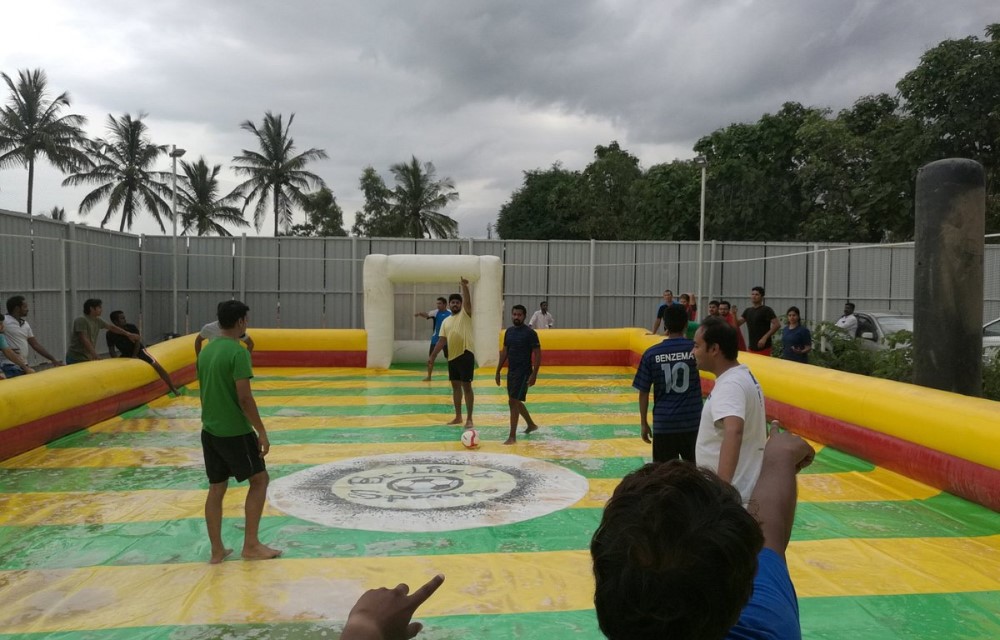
[20, 337]
[848, 322]
[733, 430]
[213, 330]
[542, 319]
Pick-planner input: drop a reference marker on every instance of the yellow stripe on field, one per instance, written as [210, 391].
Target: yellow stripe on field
[856, 486]
[281, 423]
[114, 507]
[286, 590]
[440, 382]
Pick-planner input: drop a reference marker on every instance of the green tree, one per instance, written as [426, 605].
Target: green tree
[121, 165]
[58, 213]
[324, 217]
[32, 125]
[544, 208]
[755, 192]
[665, 203]
[418, 200]
[275, 177]
[955, 94]
[199, 206]
[606, 185]
[376, 220]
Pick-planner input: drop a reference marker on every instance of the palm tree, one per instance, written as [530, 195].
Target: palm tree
[199, 205]
[31, 125]
[418, 200]
[58, 213]
[121, 165]
[274, 176]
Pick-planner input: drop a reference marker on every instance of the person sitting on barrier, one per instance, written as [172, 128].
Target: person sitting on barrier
[82, 341]
[128, 349]
[213, 330]
[20, 337]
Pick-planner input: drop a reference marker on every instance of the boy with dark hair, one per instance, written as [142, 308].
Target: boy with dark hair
[524, 352]
[677, 556]
[669, 368]
[19, 338]
[229, 419]
[128, 349]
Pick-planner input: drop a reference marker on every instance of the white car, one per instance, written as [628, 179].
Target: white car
[991, 339]
[875, 326]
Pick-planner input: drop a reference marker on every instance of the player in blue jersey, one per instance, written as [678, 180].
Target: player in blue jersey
[669, 368]
[438, 316]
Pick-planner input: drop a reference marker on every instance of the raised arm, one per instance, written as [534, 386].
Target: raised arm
[466, 297]
[774, 497]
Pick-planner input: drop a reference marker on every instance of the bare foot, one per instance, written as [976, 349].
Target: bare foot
[456, 421]
[260, 551]
[217, 558]
[531, 427]
[510, 440]
[468, 424]
[427, 379]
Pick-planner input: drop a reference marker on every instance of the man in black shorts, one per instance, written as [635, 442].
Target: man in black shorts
[456, 337]
[524, 354]
[119, 344]
[229, 419]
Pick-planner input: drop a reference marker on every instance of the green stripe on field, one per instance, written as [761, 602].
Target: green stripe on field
[491, 390]
[108, 479]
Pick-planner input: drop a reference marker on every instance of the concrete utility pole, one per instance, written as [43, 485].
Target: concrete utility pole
[948, 283]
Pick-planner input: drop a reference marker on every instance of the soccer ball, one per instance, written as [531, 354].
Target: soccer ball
[470, 438]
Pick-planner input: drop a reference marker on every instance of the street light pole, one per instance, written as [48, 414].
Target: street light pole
[174, 154]
[701, 161]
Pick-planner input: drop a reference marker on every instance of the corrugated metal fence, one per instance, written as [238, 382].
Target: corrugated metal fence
[316, 282]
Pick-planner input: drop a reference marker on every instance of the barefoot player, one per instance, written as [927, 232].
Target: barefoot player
[229, 419]
[456, 337]
[524, 354]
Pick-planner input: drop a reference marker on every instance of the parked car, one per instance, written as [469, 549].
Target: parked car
[875, 326]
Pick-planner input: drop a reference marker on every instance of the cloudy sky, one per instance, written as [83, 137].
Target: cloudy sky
[483, 89]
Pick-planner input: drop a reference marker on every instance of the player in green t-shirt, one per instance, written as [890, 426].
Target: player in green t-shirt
[233, 437]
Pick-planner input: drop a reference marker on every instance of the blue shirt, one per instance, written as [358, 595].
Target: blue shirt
[439, 318]
[519, 343]
[797, 337]
[773, 610]
[663, 307]
[670, 369]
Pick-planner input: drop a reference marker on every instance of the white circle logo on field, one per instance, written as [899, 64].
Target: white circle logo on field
[434, 491]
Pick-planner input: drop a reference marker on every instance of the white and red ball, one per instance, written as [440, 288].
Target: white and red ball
[470, 439]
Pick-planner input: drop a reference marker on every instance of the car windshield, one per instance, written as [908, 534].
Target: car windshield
[992, 329]
[892, 324]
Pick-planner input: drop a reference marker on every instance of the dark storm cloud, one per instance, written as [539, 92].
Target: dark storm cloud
[483, 89]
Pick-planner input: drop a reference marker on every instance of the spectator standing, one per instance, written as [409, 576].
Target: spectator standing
[848, 323]
[542, 319]
[690, 306]
[728, 313]
[668, 301]
[713, 308]
[762, 323]
[796, 340]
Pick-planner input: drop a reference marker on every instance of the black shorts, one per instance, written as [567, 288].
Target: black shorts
[517, 383]
[231, 456]
[670, 446]
[462, 368]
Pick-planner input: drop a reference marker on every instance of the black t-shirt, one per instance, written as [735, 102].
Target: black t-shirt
[124, 346]
[520, 341]
[758, 323]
